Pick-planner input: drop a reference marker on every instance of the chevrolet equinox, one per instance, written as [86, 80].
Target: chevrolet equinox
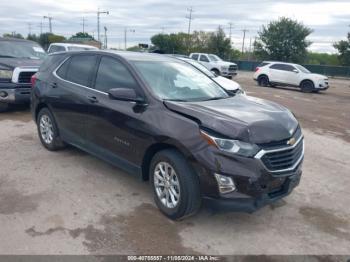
[163, 119]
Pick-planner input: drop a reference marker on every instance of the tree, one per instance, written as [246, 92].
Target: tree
[219, 44]
[13, 35]
[33, 37]
[48, 38]
[82, 35]
[344, 51]
[283, 40]
[322, 59]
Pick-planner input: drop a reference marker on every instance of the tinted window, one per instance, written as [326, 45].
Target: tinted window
[263, 64]
[80, 69]
[204, 58]
[288, 68]
[277, 66]
[51, 61]
[112, 74]
[62, 71]
[195, 57]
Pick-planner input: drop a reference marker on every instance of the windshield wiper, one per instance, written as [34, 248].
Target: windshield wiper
[176, 100]
[214, 98]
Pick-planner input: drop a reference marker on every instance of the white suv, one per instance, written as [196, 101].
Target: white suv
[215, 64]
[287, 74]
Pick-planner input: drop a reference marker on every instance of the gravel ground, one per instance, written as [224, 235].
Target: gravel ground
[69, 202]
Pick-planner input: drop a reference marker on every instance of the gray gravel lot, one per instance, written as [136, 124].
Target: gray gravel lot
[69, 202]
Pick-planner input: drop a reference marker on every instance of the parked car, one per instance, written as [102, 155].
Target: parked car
[19, 60]
[216, 64]
[287, 74]
[229, 85]
[62, 47]
[164, 120]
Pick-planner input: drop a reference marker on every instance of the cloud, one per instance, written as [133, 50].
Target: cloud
[329, 19]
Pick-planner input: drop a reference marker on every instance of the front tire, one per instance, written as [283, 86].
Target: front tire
[3, 107]
[215, 71]
[48, 131]
[307, 86]
[175, 185]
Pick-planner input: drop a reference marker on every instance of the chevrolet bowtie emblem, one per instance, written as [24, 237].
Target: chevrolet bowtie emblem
[291, 141]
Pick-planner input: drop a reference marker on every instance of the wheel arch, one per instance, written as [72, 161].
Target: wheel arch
[153, 149]
[306, 80]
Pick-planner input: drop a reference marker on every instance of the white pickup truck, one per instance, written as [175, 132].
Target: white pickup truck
[215, 64]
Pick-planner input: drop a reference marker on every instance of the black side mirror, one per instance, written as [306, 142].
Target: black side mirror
[124, 94]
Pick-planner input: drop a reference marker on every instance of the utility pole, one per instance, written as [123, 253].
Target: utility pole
[41, 27]
[50, 22]
[105, 28]
[83, 24]
[244, 32]
[98, 23]
[29, 28]
[125, 36]
[190, 18]
[231, 25]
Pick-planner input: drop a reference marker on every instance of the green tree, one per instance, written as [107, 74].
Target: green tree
[82, 35]
[343, 48]
[48, 38]
[13, 35]
[218, 44]
[322, 59]
[283, 40]
[33, 37]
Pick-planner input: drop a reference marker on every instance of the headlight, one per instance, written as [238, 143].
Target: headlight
[231, 146]
[5, 74]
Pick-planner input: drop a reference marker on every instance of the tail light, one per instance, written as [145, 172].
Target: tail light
[257, 69]
[33, 80]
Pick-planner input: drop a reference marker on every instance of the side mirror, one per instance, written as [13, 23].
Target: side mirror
[295, 71]
[124, 94]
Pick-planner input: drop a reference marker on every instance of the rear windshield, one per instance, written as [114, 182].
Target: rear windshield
[263, 64]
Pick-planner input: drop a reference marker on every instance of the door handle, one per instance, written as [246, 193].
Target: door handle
[92, 99]
[54, 85]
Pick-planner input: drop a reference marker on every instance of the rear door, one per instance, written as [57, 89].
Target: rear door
[69, 96]
[277, 73]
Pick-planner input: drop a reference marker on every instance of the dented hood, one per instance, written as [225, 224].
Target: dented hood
[244, 118]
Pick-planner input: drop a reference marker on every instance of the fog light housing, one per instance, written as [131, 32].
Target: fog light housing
[3, 94]
[225, 183]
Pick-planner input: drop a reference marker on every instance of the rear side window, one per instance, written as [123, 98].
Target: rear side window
[195, 57]
[277, 66]
[51, 61]
[79, 69]
[113, 74]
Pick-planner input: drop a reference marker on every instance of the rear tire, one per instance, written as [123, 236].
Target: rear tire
[48, 131]
[3, 107]
[263, 81]
[307, 86]
[175, 185]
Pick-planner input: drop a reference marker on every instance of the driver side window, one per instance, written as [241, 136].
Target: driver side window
[204, 58]
[113, 74]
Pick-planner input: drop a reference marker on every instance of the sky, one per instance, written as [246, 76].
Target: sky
[141, 19]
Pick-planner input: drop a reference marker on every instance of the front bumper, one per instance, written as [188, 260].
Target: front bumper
[243, 203]
[15, 93]
[228, 73]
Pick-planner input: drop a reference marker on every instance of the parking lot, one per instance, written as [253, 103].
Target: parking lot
[68, 202]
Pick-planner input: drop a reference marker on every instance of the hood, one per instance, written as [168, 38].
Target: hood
[318, 76]
[224, 63]
[243, 118]
[20, 62]
[227, 84]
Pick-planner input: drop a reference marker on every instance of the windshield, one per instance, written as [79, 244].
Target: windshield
[19, 49]
[303, 69]
[214, 58]
[79, 48]
[179, 81]
[201, 67]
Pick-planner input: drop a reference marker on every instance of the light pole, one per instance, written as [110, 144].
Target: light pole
[50, 22]
[105, 28]
[126, 30]
[98, 22]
